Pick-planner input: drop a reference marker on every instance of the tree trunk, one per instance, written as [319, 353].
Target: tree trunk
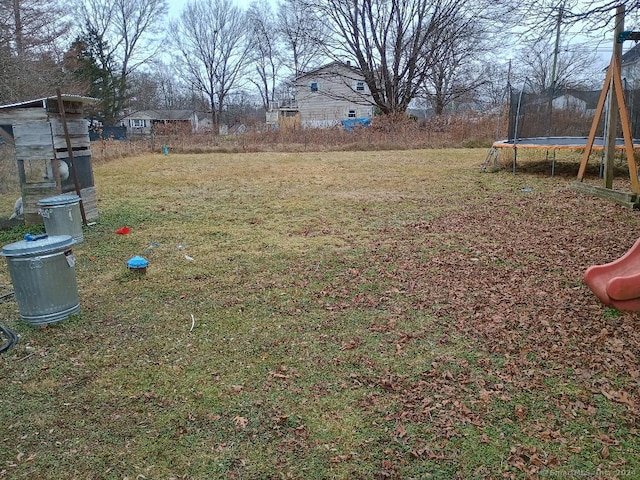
[17, 18]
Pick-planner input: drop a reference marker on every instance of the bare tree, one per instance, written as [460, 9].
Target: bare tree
[456, 58]
[265, 51]
[125, 36]
[574, 66]
[211, 39]
[168, 89]
[29, 54]
[593, 16]
[30, 26]
[598, 14]
[302, 32]
[393, 41]
[155, 88]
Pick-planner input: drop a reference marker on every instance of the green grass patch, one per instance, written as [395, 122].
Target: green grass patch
[349, 315]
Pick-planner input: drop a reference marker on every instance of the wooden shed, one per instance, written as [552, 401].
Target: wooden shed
[37, 130]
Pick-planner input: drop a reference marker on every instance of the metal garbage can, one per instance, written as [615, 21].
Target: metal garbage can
[42, 270]
[61, 215]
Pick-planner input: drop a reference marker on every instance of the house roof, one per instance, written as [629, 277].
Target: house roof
[329, 66]
[632, 55]
[203, 116]
[162, 114]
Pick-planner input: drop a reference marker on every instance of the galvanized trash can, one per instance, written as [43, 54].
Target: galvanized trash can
[43, 274]
[61, 215]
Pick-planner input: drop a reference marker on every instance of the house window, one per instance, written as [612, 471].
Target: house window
[352, 114]
[359, 86]
[138, 122]
[314, 86]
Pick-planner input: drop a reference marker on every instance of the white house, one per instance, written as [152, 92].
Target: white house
[569, 102]
[142, 122]
[331, 93]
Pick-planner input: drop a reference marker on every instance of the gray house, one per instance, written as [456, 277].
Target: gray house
[630, 68]
[331, 93]
[143, 122]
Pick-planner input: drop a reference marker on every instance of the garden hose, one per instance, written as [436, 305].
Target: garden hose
[12, 337]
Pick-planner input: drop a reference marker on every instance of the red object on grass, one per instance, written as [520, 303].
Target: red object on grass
[617, 284]
[123, 231]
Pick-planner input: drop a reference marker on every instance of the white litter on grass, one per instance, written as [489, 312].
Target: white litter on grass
[188, 258]
[151, 247]
[193, 322]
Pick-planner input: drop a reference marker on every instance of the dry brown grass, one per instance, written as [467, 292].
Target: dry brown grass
[386, 133]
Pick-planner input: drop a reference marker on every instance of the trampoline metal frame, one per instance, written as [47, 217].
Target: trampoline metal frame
[557, 143]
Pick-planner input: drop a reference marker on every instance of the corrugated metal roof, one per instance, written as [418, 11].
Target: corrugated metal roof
[42, 102]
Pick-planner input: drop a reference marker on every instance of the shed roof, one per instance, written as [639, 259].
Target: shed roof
[42, 102]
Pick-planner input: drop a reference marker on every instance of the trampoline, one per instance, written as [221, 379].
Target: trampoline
[547, 144]
[557, 143]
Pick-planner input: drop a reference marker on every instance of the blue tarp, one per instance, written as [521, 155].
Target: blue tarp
[351, 123]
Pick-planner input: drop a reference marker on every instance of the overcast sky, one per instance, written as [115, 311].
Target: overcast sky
[176, 6]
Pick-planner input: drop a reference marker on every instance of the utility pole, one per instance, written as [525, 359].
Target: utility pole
[612, 114]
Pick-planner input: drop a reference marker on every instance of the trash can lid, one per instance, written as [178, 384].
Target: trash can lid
[40, 245]
[63, 199]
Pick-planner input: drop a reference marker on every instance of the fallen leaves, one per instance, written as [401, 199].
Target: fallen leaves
[530, 460]
[351, 344]
[240, 422]
[509, 285]
[619, 396]
[520, 411]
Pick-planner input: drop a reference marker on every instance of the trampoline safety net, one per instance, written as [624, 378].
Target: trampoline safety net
[565, 113]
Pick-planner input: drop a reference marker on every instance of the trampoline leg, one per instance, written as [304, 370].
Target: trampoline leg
[493, 153]
[601, 172]
[553, 164]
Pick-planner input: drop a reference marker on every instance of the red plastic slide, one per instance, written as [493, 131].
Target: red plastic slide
[617, 284]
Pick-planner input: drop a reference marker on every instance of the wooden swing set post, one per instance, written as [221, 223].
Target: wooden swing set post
[613, 81]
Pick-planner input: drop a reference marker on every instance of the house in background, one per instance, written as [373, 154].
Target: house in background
[205, 122]
[144, 121]
[576, 100]
[630, 67]
[332, 93]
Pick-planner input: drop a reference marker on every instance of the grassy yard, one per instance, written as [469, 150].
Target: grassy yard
[359, 315]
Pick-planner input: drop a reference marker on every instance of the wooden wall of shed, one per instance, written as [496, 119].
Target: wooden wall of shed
[39, 137]
[78, 134]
